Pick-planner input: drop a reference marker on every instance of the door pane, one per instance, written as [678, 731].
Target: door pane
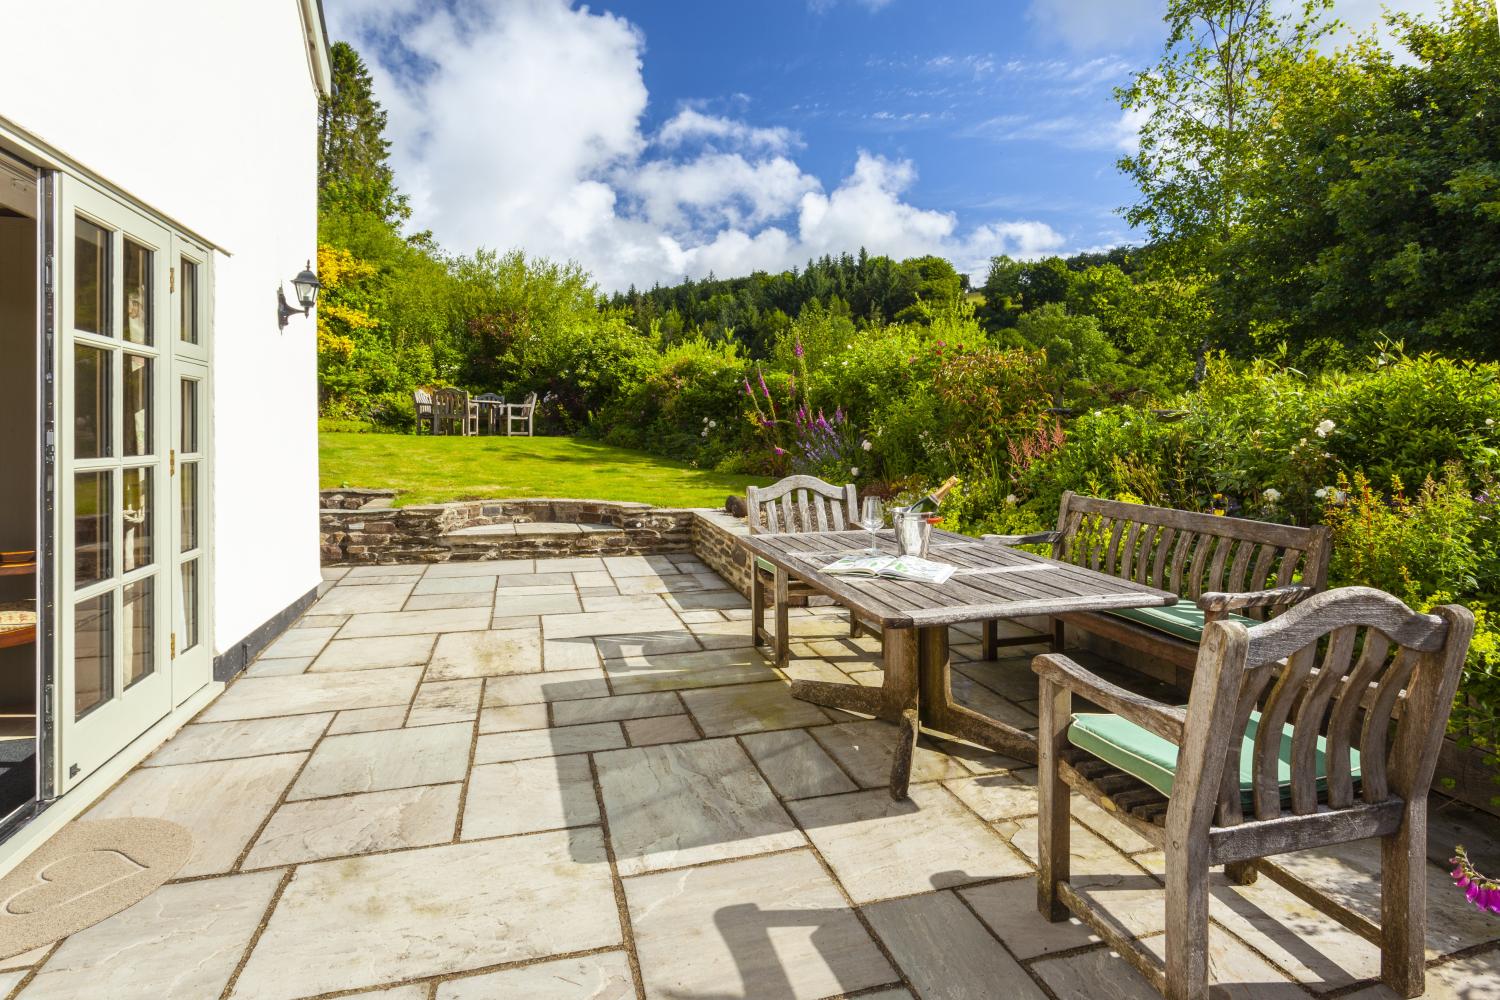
[189, 332]
[138, 318]
[136, 512]
[93, 654]
[91, 404]
[138, 405]
[140, 629]
[91, 524]
[188, 473]
[189, 443]
[189, 614]
[90, 277]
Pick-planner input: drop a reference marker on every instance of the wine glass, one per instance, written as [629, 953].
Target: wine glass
[872, 519]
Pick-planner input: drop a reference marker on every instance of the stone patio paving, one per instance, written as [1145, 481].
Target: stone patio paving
[567, 779]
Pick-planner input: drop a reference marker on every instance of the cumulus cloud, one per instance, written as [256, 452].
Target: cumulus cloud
[519, 125]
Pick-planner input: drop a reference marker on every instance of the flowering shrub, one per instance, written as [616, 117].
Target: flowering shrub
[1480, 890]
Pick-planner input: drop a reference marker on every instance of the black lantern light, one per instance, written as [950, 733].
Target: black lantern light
[306, 286]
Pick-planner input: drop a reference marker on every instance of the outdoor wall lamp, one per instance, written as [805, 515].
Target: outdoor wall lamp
[306, 286]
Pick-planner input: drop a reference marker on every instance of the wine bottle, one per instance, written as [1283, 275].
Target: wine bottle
[932, 501]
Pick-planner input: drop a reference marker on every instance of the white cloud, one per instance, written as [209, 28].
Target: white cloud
[1088, 25]
[689, 124]
[519, 126]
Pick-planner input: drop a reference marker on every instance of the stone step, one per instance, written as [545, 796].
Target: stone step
[480, 532]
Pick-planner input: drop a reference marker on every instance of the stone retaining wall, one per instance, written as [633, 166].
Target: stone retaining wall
[716, 540]
[521, 529]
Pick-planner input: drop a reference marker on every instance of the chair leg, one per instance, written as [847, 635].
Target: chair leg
[1187, 922]
[1059, 636]
[1053, 848]
[757, 607]
[1403, 904]
[782, 598]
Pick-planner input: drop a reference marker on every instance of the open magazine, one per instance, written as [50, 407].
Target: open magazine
[891, 567]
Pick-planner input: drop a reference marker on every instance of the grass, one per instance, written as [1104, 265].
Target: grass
[427, 469]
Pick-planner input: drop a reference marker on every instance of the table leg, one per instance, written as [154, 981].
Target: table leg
[941, 713]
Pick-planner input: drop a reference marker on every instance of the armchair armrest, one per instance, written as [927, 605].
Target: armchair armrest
[1216, 605]
[1165, 721]
[1036, 538]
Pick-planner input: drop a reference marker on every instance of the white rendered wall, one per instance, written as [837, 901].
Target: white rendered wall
[206, 112]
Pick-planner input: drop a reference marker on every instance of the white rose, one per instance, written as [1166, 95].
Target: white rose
[854, 473]
[1324, 428]
[1011, 500]
[1271, 495]
[866, 445]
[712, 424]
[1320, 494]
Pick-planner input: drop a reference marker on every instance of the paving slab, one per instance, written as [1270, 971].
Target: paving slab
[280, 667]
[946, 952]
[796, 766]
[373, 654]
[251, 738]
[357, 824]
[221, 803]
[439, 602]
[365, 720]
[680, 671]
[750, 708]
[664, 729]
[760, 927]
[995, 796]
[881, 848]
[619, 707]
[595, 623]
[485, 567]
[455, 585]
[393, 758]
[578, 653]
[555, 742]
[538, 604]
[554, 685]
[359, 922]
[605, 976]
[486, 654]
[180, 943]
[344, 600]
[686, 803]
[646, 643]
[526, 796]
[865, 750]
[266, 697]
[298, 642]
[512, 718]
[438, 702]
[413, 622]
[1009, 910]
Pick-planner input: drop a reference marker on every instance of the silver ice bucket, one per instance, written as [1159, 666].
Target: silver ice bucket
[913, 532]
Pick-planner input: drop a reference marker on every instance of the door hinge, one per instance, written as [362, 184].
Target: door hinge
[171, 279]
[174, 645]
[172, 462]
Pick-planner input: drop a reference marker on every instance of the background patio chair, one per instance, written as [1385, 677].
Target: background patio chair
[521, 413]
[452, 413]
[1282, 747]
[489, 414]
[794, 505]
[421, 400]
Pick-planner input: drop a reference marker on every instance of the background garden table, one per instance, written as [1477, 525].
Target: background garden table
[991, 582]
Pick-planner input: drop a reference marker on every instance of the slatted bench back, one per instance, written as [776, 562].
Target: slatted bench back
[1186, 552]
[800, 504]
[1341, 665]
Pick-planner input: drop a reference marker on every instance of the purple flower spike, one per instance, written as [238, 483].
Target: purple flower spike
[763, 387]
[797, 348]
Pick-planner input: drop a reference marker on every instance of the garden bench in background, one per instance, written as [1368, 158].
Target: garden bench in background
[454, 413]
[1221, 567]
[795, 505]
[1282, 747]
[421, 401]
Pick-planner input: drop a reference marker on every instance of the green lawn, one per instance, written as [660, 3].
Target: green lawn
[427, 469]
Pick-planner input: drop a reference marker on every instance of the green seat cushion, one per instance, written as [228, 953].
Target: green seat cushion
[1152, 759]
[1183, 619]
[764, 566]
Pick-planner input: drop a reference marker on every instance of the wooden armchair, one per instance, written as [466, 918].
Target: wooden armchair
[421, 401]
[1282, 747]
[453, 413]
[794, 505]
[1222, 567]
[520, 413]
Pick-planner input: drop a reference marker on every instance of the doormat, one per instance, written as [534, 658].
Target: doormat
[89, 871]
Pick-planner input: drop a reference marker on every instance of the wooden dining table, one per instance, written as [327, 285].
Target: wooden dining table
[990, 582]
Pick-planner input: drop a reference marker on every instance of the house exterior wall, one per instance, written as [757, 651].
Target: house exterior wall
[206, 113]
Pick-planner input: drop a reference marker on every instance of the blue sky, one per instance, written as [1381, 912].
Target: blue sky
[652, 139]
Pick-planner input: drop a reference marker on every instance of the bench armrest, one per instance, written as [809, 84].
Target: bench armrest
[1037, 538]
[1217, 605]
[1165, 721]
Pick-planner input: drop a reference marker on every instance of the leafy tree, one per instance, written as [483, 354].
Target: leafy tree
[1375, 209]
[1205, 117]
[1080, 358]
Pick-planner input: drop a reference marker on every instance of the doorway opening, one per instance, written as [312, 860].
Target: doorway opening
[20, 431]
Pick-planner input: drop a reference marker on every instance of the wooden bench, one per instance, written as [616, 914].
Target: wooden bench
[1306, 701]
[1220, 567]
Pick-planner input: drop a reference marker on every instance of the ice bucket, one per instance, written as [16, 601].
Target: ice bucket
[913, 532]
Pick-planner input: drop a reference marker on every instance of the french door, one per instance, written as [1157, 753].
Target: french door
[132, 404]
